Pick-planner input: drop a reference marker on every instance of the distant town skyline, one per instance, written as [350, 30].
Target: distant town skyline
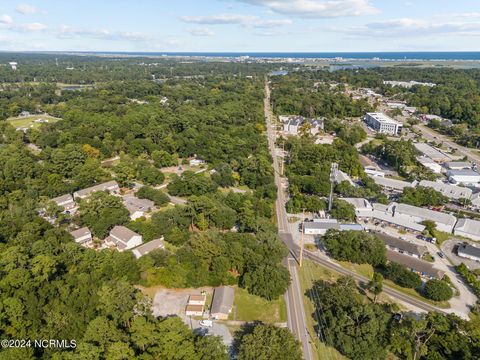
[240, 25]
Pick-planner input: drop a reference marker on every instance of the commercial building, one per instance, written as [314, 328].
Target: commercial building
[408, 84]
[321, 226]
[384, 216]
[402, 246]
[123, 238]
[458, 165]
[110, 186]
[144, 249]
[469, 252]
[422, 268]
[390, 184]
[453, 192]
[465, 177]
[434, 154]
[82, 235]
[222, 302]
[475, 201]
[468, 228]
[430, 164]
[363, 207]
[444, 222]
[383, 124]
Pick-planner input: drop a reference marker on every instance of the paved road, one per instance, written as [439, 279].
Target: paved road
[294, 297]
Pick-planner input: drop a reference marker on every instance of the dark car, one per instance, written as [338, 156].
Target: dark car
[442, 255]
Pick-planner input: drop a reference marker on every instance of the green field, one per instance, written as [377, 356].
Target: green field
[250, 307]
[29, 121]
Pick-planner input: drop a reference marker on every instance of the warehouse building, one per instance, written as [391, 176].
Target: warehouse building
[432, 153]
[466, 177]
[469, 252]
[468, 228]
[453, 192]
[444, 222]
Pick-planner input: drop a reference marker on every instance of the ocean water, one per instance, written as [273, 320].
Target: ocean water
[454, 55]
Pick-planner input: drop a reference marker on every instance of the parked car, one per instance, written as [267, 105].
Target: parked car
[442, 255]
[206, 323]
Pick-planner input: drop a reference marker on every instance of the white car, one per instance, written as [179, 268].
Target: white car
[206, 323]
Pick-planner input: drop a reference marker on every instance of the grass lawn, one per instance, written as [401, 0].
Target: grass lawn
[413, 293]
[28, 121]
[441, 236]
[361, 269]
[250, 307]
[308, 273]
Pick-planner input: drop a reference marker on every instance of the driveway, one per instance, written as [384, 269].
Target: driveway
[448, 249]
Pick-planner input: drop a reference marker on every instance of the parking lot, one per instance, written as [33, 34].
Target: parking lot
[448, 247]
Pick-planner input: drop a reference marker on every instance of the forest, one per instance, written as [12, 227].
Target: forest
[51, 287]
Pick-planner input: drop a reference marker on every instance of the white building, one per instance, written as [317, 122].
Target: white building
[475, 200]
[434, 154]
[13, 65]
[469, 252]
[468, 228]
[444, 222]
[393, 185]
[453, 192]
[82, 235]
[363, 207]
[383, 124]
[465, 177]
[196, 162]
[123, 238]
[458, 165]
[65, 201]
[293, 123]
[430, 164]
[408, 84]
[110, 186]
[373, 171]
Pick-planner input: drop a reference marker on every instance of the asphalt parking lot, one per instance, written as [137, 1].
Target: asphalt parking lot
[448, 249]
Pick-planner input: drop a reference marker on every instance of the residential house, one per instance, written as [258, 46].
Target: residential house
[144, 249]
[82, 235]
[222, 302]
[468, 228]
[123, 238]
[110, 186]
[65, 201]
[137, 207]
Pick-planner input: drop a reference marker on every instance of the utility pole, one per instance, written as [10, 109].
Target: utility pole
[333, 171]
[301, 238]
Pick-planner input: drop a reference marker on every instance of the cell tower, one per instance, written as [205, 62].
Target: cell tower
[333, 173]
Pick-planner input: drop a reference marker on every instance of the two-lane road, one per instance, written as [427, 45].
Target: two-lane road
[294, 297]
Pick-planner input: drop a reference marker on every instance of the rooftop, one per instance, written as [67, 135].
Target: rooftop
[380, 117]
[321, 225]
[222, 301]
[123, 233]
[466, 249]
[391, 183]
[462, 172]
[423, 213]
[459, 164]
[414, 264]
[63, 199]
[402, 244]
[468, 226]
[99, 187]
[84, 231]
[144, 249]
[431, 152]
[448, 190]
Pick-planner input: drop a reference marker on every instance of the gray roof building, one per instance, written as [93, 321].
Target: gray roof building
[448, 190]
[81, 235]
[402, 246]
[222, 302]
[111, 186]
[144, 249]
[432, 153]
[416, 265]
[468, 228]
[445, 222]
[468, 251]
[458, 165]
[391, 184]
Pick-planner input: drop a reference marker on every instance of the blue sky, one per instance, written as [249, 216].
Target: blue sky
[240, 25]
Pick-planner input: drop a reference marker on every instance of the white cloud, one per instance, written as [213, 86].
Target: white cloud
[200, 31]
[26, 9]
[30, 27]
[103, 34]
[6, 19]
[409, 27]
[243, 20]
[317, 8]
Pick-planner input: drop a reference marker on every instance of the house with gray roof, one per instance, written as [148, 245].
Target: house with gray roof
[222, 302]
[144, 249]
[82, 235]
[65, 201]
[110, 186]
[468, 228]
[123, 238]
[137, 207]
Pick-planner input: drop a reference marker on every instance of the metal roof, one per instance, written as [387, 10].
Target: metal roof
[222, 301]
[469, 250]
[415, 264]
[422, 213]
[448, 190]
[468, 226]
[391, 183]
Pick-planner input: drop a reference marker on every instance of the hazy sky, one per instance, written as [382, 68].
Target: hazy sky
[240, 25]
